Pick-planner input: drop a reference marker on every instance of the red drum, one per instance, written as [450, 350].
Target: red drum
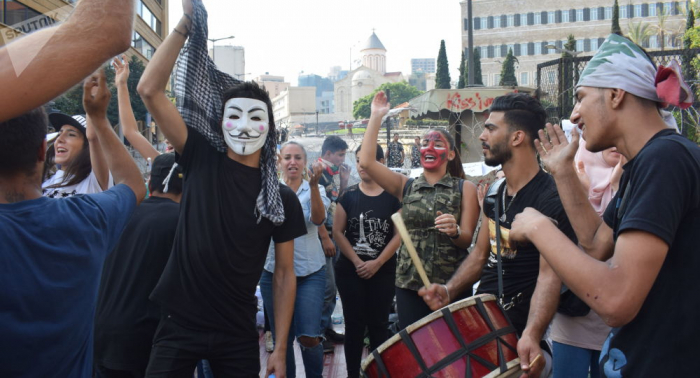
[469, 338]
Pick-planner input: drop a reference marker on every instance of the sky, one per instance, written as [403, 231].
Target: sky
[286, 37]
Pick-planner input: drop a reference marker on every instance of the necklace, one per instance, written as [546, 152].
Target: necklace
[503, 202]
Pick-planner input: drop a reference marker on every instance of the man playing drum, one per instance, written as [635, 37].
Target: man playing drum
[530, 288]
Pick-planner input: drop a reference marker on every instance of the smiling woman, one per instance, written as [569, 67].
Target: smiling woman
[68, 167]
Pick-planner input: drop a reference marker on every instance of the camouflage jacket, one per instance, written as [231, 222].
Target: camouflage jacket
[439, 255]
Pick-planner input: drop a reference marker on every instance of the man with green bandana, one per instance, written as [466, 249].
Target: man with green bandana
[647, 289]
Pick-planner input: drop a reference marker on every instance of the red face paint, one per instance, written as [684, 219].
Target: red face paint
[434, 150]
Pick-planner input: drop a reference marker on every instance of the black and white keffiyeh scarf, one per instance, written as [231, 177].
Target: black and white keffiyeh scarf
[199, 89]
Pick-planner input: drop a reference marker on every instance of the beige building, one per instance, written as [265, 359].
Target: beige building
[295, 105]
[274, 84]
[361, 81]
[532, 27]
[25, 16]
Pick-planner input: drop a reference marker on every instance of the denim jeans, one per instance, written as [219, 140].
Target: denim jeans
[330, 293]
[574, 362]
[305, 322]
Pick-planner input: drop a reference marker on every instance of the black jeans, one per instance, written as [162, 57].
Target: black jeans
[366, 303]
[177, 349]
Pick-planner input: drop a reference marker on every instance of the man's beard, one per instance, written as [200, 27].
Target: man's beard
[500, 154]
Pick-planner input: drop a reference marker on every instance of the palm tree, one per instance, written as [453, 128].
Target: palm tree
[639, 32]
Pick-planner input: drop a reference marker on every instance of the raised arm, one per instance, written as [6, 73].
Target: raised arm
[98, 160]
[96, 98]
[392, 182]
[30, 74]
[557, 154]
[319, 201]
[155, 79]
[126, 112]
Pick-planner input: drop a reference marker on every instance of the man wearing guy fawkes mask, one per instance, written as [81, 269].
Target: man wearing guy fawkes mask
[232, 206]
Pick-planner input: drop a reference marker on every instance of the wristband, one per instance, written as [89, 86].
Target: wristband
[457, 235]
[179, 32]
[448, 293]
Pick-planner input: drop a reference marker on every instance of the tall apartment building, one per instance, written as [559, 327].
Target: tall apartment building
[531, 27]
[426, 65]
[230, 60]
[19, 17]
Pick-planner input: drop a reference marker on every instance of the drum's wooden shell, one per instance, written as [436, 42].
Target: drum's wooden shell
[435, 341]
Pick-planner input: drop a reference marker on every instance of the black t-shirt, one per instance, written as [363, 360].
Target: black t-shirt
[220, 248]
[125, 320]
[660, 194]
[520, 267]
[369, 235]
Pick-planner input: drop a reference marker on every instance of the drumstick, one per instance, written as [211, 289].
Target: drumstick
[535, 360]
[398, 222]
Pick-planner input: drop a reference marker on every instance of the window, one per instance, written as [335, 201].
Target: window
[653, 42]
[579, 45]
[623, 12]
[148, 17]
[524, 78]
[538, 48]
[17, 13]
[608, 13]
[496, 22]
[497, 52]
[638, 10]
[510, 20]
[594, 44]
[565, 16]
[511, 47]
[579, 14]
[485, 80]
[523, 19]
[593, 14]
[667, 8]
[142, 46]
[551, 18]
[652, 10]
[538, 18]
[523, 49]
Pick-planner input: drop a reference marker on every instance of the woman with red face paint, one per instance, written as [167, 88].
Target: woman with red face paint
[440, 210]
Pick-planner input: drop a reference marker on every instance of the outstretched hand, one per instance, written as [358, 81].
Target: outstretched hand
[96, 95]
[315, 173]
[556, 152]
[380, 105]
[121, 68]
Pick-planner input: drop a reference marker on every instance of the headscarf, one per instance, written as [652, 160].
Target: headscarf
[199, 90]
[600, 190]
[619, 63]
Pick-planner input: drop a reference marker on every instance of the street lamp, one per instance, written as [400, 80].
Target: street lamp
[561, 51]
[213, 42]
[238, 76]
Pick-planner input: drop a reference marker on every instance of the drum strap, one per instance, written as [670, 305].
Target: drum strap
[383, 372]
[408, 341]
[497, 218]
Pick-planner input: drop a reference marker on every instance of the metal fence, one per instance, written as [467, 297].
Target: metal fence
[557, 79]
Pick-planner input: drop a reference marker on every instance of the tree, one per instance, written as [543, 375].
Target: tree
[508, 78]
[689, 72]
[569, 46]
[442, 76]
[477, 67]
[615, 29]
[639, 32]
[463, 79]
[400, 92]
[71, 102]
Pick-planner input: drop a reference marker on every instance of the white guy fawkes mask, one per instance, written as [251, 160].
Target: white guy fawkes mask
[245, 125]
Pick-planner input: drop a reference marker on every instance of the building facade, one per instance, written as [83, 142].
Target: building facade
[230, 60]
[20, 17]
[295, 105]
[426, 65]
[537, 30]
[274, 85]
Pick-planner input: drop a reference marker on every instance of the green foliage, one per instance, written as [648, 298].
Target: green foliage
[508, 78]
[463, 72]
[639, 32]
[400, 92]
[615, 29]
[569, 46]
[442, 75]
[689, 72]
[477, 67]
[71, 102]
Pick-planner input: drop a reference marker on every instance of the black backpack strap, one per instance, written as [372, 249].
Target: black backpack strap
[407, 186]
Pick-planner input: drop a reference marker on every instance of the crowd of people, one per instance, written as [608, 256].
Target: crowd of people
[587, 242]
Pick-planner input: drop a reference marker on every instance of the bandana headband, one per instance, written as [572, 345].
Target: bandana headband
[619, 63]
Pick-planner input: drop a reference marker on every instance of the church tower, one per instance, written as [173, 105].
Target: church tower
[374, 54]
